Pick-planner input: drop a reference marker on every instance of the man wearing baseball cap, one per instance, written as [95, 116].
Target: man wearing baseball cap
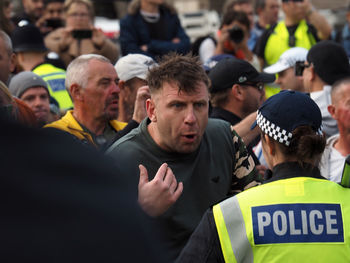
[237, 90]
[285, 68]
[32, 89]
[326, 62]
[132, 72]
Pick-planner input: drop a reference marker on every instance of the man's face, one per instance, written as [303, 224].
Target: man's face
[288, 81]
[6, 62]
[101, 95]
[341, 104]
[307, 77]
[54, 10]
[128, 94]
[37, 98]
[270, 11]
[179, 118]
[294, 10]
[253, 98]
[34, 8]
[248, 10]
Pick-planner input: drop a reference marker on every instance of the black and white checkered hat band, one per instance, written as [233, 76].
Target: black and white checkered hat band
[273, 130]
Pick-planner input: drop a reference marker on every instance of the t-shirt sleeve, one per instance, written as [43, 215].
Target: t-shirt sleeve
[244, 174]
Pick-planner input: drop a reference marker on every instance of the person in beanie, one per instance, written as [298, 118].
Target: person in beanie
[32, 89]
[297, 215]
[326, 62]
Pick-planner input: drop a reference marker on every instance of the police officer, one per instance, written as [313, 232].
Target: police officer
[296, 215]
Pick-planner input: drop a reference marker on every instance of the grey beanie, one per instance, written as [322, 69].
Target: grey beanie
[25, 80]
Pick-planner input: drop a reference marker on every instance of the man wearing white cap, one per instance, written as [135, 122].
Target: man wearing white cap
[285, 68]
[132, 71]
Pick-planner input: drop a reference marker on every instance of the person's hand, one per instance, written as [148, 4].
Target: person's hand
[261, 170]
[66, 39]
[98, 38]
[176, 40]
[144, 48]
[140, 111]
[156, 196]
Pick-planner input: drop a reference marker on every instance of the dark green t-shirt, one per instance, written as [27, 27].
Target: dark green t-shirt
[219, 168]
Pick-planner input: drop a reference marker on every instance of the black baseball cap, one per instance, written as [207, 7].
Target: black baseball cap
[330, 61]
[230, 71]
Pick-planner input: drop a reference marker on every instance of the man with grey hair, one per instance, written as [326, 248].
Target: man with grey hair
[92, 83]
[7, 57]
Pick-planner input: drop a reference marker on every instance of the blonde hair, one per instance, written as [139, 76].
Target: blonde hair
[88, 3]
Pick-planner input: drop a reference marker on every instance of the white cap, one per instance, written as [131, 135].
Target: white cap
[287, 60]
[134, 65]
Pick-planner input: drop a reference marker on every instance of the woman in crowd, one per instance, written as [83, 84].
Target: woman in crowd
[79, 36]
[296, 215]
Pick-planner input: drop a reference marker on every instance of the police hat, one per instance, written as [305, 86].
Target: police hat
[282, 113]
[27, 38]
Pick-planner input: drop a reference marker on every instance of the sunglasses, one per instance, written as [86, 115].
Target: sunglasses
[299, 67]
[259, 85]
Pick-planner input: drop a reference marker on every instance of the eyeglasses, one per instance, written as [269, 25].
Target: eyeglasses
[299, 67]
[259, 86]
[83, 15]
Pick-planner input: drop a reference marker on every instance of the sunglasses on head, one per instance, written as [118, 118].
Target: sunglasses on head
[299, 67]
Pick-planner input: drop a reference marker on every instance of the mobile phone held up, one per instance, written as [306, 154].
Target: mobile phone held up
[82, 33]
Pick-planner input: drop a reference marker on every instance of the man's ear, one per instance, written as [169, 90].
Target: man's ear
[237, 92]
[271, 146]
[76, 92]
[151, 110]
[13, 62]
[121, 84]
[331, 110]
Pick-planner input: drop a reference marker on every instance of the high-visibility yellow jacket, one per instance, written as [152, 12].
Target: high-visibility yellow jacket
[55, 78]
[69, 124]
[301, 219]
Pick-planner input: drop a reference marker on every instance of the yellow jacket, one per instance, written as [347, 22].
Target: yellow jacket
[69, 124]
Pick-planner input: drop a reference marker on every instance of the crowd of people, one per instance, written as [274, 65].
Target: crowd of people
[153, 149]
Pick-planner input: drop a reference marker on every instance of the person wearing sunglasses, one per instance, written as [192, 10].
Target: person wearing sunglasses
[326, 63]
[303, 27]
[237, 90]
[285, 67]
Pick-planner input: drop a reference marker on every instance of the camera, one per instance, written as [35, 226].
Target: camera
[236, 34]
[81, 34]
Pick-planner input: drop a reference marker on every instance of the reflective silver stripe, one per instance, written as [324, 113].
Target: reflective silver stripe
[236, 230]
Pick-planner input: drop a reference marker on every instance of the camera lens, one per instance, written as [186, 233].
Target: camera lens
[236, 34]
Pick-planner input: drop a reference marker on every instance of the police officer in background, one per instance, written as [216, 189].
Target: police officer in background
[296, 207]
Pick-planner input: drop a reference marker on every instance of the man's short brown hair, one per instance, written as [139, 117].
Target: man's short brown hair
[185, 71]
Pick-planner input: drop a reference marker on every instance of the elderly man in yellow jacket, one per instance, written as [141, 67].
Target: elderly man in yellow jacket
[92, 83]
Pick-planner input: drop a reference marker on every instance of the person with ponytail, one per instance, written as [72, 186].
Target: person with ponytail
[294, 216]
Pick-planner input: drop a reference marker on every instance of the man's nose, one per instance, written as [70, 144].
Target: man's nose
[190, 117]
[115, 88]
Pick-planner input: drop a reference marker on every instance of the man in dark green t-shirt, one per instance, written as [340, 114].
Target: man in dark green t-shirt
[206, 157]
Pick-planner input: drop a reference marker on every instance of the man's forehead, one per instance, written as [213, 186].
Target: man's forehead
[35, 89]
[101, 69]
[171, 90]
